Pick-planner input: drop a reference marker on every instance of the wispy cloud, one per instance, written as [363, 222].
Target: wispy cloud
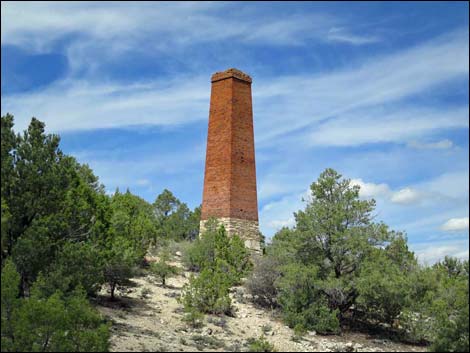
[38, 26]
[376, 125]
[338, 34]
[326, 109]
[77, 105]
[441, 144]
[362, 104]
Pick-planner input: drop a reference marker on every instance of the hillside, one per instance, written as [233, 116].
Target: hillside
[147, 317]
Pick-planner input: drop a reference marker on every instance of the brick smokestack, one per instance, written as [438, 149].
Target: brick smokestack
[230, 175]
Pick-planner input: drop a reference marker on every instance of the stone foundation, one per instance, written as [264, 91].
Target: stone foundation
[247, 230]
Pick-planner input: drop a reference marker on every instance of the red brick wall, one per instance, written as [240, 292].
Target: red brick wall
[230, 174]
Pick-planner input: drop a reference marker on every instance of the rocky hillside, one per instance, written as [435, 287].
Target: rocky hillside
[148, 317]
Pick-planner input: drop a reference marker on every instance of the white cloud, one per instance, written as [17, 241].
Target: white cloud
[403, 196]
[371, 190]
[456, 224]
[450, 185]
[278, 224]
[433, 252]
[442, 144]
[406, 196]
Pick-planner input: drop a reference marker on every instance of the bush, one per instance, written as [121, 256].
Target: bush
[162, 269]
[300, 330]
[207, 293]
[120, 264]
[194, 318]
[222, 261]
[303, 302]
[417, 326]
[197, 254]
[262, 282]
[78, 264]
[266, 329]
[32, 253]
[438, 306]
[383, 289]
[451, 310]
[53, 323]
[216, 246]
[10, 303]
[260, 345]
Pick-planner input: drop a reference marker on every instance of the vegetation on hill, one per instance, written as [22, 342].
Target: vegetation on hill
[338, 267]
[63, 239]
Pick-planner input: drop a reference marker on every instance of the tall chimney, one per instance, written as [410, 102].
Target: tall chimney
[230, 175]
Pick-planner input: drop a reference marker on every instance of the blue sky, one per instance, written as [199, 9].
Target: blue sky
[378, 91]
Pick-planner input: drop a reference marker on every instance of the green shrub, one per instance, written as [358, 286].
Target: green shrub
[438, 306]
[260, 345]
[207, 293]
[418, 327]
[383, 290]
[120, 264]
[266, 329]
[162, 269]
[9, 304]
[53, 323]
[452, 316]
[300, 330]
[194, 318]
[216, 246]
[262, 282]
[302, 300]
[77, 264]
[200, 253]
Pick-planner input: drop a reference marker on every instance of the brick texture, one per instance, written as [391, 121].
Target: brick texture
[230, 174]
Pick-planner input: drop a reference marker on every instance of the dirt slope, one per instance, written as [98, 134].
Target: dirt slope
[148, 318]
